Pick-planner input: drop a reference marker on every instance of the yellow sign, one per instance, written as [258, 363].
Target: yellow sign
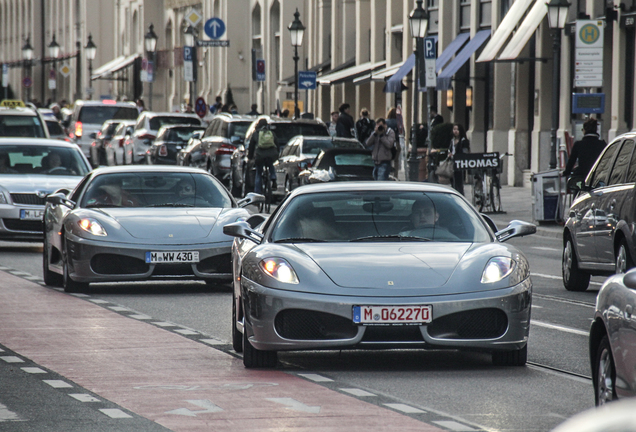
[12, 103]
[289, 104]
[589, 34]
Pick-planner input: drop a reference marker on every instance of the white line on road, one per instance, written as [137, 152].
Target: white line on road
[115, 413]
[57, 383]
[212, 341]
[186, 332]
[316, 377]
[557, 277]
[6, 415]
[33, 370]
[454, 426]
[294, 405]
[559, 327]
[12, 359]
[404, 408]
[543, 248]
[83, 397]
[140, 317]
[357, 392]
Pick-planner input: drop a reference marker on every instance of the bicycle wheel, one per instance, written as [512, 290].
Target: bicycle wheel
[477, 191]
[267, 191]
[495, 195]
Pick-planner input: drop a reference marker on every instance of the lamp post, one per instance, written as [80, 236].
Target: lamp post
[191, 41]
[557, 15]
[418, 22]
[27, 55]
[151, 46]
[54, 51]
[296, 31]
[91, 50]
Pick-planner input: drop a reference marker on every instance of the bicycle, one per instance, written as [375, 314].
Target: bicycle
[267, 190]
[487, 188]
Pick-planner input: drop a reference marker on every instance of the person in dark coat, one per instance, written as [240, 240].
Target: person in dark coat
[585, 152]
[345, 127]
[435, 118]
[380, 143]
[262, 157]
[459, 144]
[364, 126]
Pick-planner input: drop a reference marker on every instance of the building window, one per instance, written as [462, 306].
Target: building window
[485, 13]
[504, 8]
[433, 16]
[464, 15]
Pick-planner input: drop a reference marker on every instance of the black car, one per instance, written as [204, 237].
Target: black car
[102, 140]
[300, 152]
[241, 179]
[169, 142]
[339, 164]
[598, 237]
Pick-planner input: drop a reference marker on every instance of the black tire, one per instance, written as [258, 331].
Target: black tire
[71, 286]
[573, 278]
[237, 336]
[604, 374]
[624, 260]
[253, 358]
[50, 278]
[510, 358]
[495, 195]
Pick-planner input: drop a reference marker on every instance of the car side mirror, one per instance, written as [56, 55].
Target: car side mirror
[242, 230]
[630, 279]
[60, 199]
[93, 135]
[516, 228]
[251, 198]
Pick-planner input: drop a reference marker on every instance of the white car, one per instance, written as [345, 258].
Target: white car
[119, 149]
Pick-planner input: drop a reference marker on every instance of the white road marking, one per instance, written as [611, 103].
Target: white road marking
[559, 327]
[294, 405]
[208, 407]
[544, 249]
[76, 295]
[557, 277]
[32, 277]
[114, 413]
[316, 377]
[57, 383]
[357, 392]
[119, 309]
[212, 341]
[19, 273]
[12, 359]
[453, 425]
[164, 324]
[186, 332]
[33, 370]
[404, 408]
[1, 350]
[99, 301]
[6, 415]
[140, 317]
[83, 397]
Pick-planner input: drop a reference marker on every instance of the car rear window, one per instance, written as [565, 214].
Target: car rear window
[99, 114]
[21, 126]
[178, 134]
[286, 131]
[354, 159]
[157, 123]
[55, 128]
[239, 129]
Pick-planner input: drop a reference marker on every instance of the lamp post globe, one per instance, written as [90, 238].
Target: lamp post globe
[91, 51]
[296, 32]
[54, 51]
[150, 40]
[27, 55]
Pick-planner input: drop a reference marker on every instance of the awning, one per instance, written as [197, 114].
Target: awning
[349, 74]
[450, 51]
[505, 28]
[113, 66]
[444, 79]
[319, 68]
[394, 84]
[525, 31]
[380, 75]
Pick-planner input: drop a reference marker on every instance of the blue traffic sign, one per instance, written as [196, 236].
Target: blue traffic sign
[306, 80]
[260, 70]
[214, 28]
[430, 51]
[187, 53]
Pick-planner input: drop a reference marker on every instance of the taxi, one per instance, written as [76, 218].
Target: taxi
[20, 120]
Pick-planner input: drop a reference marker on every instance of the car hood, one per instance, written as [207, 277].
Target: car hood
[31, 183]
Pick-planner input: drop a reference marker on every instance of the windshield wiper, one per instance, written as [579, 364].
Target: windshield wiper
[299, 239]
[390, 237]
[170, 205]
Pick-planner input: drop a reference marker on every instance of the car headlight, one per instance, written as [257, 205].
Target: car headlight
[497, 269]
[279, 269]
[92, 226]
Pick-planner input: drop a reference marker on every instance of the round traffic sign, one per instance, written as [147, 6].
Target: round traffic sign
[27, 82]
[200, 107]
[214, 28]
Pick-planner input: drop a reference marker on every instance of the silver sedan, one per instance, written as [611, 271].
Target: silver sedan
[379, 265]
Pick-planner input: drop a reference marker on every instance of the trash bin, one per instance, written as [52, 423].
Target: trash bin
[548, 191]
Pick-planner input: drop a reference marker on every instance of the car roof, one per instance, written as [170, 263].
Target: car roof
[168, 114]
[327, 138]
[336, 150]
[79, 103]
[37, 142]
[18, 111]
[148, 168]
[274, 119]
[374, 186]
[234, 117]
[183, 126]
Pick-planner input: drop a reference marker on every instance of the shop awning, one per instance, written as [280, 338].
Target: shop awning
[349, 74]
[380, 75]
[525, 31]
[444, 79]
[394, 84]
[505, 28]
[113, 66]
[450, 51]
[319, 68]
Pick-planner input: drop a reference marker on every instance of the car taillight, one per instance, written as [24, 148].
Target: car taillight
[163, 151]
[121, 142]
[147, 137]
[225, 149]
[99, 134]
[78, 129]
[93, 144]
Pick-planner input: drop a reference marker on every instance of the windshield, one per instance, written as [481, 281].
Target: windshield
[99, 114]
[21, 126]
[286, 131]
[45, 160]
[239, 129]
[181, 135]
[379, 216]
[157, 123]
[155, 189]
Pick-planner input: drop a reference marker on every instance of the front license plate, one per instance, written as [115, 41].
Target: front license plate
[31, 214]
[392, 314]
[172, 257]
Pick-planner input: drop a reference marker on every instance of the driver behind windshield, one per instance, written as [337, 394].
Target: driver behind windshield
[424, 217]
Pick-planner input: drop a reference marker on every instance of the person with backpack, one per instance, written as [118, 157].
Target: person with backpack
[264, 151]
[364, 126]
[381, 142]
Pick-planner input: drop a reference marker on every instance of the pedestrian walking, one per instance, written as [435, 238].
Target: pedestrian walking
[254, 110]
[345, 126]
[364, 126]
[459, 144]
[585, 152]
[381, 142]
[218, 105]
[141, 106]
[331, 125]
[391, 120]
[435, 118]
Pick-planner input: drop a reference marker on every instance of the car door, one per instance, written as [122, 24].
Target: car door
[281, 166]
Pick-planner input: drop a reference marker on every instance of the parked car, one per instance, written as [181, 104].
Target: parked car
[299, 153]
[378, 264]
[612, 335]
[89, 117]
[169, 142]
[598, 238]
[27, 175]
[148, 125]
[339, 164]
[140, 223]
[119, 149]
[191, 155]
[21, 121]
[241, 179]
[102, 140]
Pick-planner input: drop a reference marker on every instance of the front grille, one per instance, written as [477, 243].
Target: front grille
[23, 225]
[27, 198]
[473, 324]
[401, 333]
[173, 270]
[216, 264]
[111, 264]
[311, 325]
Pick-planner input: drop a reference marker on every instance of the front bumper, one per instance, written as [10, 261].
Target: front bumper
[12, 227]
[488, 320]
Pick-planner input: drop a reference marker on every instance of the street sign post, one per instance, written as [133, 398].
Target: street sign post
[200, 107]
[214, 28]
[5, 75]
[588, 54]
[188, 67]
[306, 80]
[27, 82]
[213, 43]
[193, 17]
[430, 61]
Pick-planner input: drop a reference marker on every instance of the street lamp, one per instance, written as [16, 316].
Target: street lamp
[296, 31]
[557, 15]
[190, 35]
[418, 22]
[54, 51]
[91, 51]
[151, 46]
[27, 55]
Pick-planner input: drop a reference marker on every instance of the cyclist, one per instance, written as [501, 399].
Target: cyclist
[264, 151]
[585, 152]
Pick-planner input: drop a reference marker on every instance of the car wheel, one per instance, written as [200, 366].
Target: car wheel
[623, 259]
[253, 358]
[510, 358]
[237, 336]
[70, 286]
[573, 278]
[605, 384]
[50, 278]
